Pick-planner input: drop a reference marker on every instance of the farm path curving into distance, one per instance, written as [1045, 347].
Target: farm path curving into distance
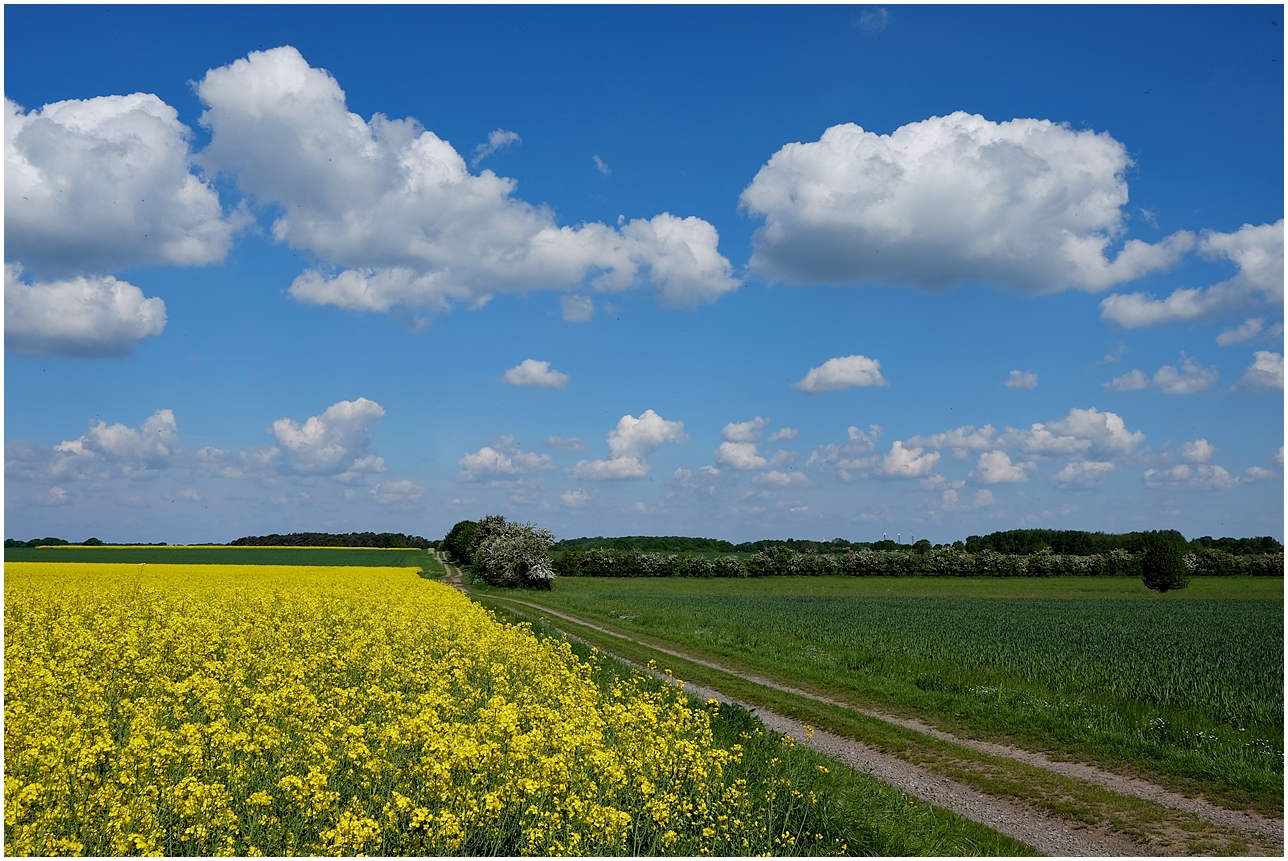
[1047, 834]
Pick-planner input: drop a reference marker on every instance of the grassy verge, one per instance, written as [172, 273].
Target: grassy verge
[858, 812]
[1060, 796]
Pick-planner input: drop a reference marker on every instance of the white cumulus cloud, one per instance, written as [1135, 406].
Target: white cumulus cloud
[1202, 477]
[961, 440]
[1022, 380]
[504, 459]
[1128, 382]
[842, 373]
[1198, 451]
[102, 452]
[995, 467]
[1257, 251]
[743, 431]
[496, 141]
[1029, 204]
[328, 444]
[1245, 331]
[852, 455]
[631, 442]
[575, 498]
[1083, 474]
[403, 492]
[397, 210]
[740, 455]
[784, 434]
[577, 309]
[901, 462]
[1265, 372]
[84, 316]
[1080, 432]
[104, 184]
[530, 372]
[1191, 377]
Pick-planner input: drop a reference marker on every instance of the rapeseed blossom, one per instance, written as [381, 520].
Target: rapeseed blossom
[285, 710]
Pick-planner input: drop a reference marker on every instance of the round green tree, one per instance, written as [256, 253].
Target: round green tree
[1163, 567]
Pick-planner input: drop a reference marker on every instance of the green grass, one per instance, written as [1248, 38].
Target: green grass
[1064, 797]
[1186, 685]
[1268, 588]
[856, 810]
[216, 555]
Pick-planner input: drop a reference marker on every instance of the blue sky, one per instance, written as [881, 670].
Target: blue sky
[739, 272]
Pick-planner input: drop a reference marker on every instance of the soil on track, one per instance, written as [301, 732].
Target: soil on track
[1047, 834]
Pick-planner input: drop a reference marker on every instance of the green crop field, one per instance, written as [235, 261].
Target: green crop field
[1187, 684]
[220, 555]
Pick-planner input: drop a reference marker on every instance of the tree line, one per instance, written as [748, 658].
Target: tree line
[1019, 542]
[952, 561]
[381, 540]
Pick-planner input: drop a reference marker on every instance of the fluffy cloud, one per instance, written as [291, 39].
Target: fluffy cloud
[328, 444]
[743, 431]
[1022, 380]
[961, 440]
[397, 207]
[631, 442]
[901, 462]
[842, 373]
[496, 141]
[995, 467]
[1198, 451]
[502, 460]
[740, 455]
[402, 492]
[1190, 378]
[85, 317]
[1247, 330]
[105, 184]
[1029, 204]
[783, 434]
[1257, 251]
[851, 455]
[1265, 372]
[738, 451]
[1082, 474]
[1128, 382]
[530, 372]
[577, 309]
[1202, 477]
[575, 498]
[104, 451]
[1080, 432]
[360, 468]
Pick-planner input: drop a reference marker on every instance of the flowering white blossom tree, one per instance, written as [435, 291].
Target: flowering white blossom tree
[512, 554]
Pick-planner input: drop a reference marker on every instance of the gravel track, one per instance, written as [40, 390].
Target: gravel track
[1045, 833]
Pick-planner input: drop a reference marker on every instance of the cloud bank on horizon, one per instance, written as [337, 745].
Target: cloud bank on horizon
[111, 199]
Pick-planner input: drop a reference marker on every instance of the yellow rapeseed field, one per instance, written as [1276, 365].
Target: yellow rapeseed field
[197, 710]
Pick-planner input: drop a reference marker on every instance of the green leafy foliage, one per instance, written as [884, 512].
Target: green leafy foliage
[1163, 567]
[386, 540]
[459, 541]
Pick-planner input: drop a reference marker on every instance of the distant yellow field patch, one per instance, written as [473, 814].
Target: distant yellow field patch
[285, 710]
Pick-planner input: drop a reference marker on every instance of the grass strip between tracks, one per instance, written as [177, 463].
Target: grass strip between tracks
[1064, 797]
